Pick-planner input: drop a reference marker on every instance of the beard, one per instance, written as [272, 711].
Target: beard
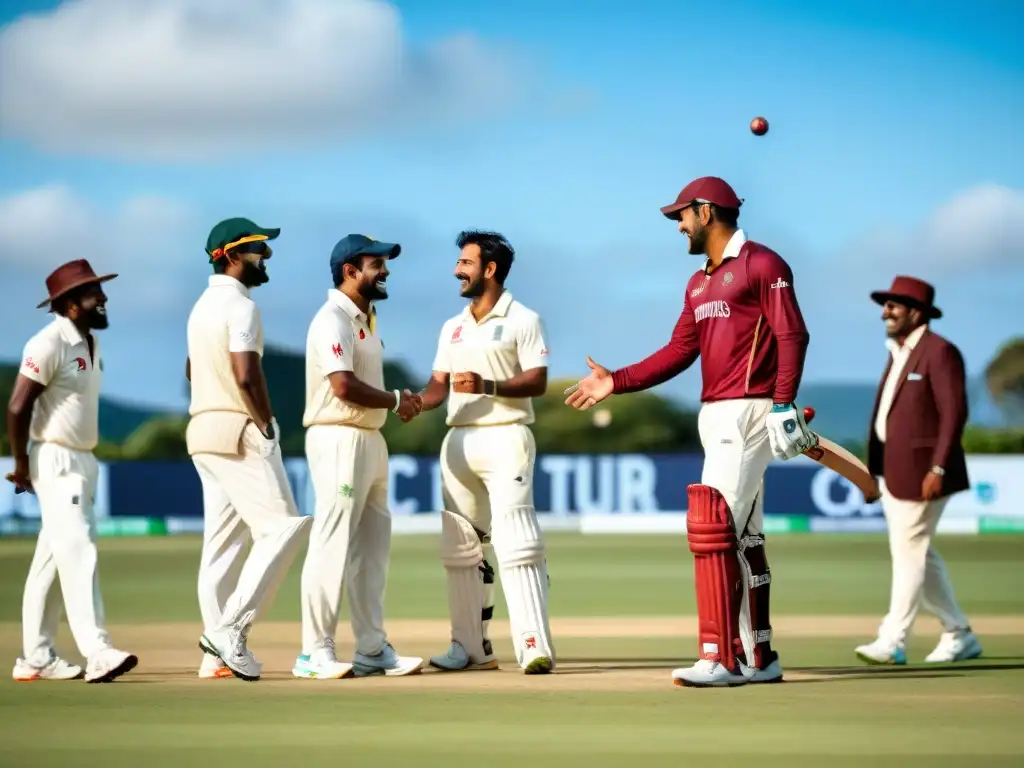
[254, 274]
[699, 241]
[375, 291]
[97, 318]
[474, 288]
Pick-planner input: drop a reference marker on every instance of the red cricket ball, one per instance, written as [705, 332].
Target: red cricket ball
[808, 414]
[759, 126]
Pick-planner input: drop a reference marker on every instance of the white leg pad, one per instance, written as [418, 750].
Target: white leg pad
[463, 556]
[519, 547]
[264, 568]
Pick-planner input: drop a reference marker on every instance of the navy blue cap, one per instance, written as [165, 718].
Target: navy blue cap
[351, 246]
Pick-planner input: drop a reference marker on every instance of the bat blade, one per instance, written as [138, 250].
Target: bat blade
[844, 463]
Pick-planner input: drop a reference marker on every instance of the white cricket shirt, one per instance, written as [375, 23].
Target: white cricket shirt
[341, 338]
[225, 319]
[507, 341]
[68, 409]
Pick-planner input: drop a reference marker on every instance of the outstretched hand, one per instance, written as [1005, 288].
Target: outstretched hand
[410, 407]
[588, 392]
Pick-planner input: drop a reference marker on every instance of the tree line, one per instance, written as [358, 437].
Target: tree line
[641, 423]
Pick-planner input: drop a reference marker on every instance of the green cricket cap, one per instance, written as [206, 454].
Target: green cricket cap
[233, 232]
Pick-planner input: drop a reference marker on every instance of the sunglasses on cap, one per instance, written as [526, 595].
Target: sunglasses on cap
[256, 247]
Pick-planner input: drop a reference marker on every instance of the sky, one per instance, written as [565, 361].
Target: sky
[128, 128]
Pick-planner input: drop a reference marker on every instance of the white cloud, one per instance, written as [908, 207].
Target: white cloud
[139, 239]
[980, 227]
[188, 79]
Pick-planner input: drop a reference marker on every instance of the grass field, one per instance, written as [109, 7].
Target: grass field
[622, 612]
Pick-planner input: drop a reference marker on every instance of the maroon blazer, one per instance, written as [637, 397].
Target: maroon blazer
[926, 422]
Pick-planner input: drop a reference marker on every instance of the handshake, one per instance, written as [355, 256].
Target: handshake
[410, 405]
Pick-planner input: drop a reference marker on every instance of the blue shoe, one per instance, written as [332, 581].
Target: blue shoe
[321, 664]
[387, 662]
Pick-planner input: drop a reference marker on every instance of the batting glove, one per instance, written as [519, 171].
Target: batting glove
[788, 434]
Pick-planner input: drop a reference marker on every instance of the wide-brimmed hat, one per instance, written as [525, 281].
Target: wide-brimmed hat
[911, 292]
[69, 276]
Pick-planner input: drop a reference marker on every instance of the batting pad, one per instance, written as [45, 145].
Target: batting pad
[264, 569]
[718, 579]
[755, 623]
[519, 548]
[463, 557]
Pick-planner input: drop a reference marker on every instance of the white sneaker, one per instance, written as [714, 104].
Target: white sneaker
[229, 645]
[108, 665]
[961, 645]
[458, 660]
[321, 664]
[769, 674]
[55, 669]
[213, 668]
[387, 662]
[707, 674]
[881, 652]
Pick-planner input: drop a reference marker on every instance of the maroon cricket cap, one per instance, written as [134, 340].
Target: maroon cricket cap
[706, 189]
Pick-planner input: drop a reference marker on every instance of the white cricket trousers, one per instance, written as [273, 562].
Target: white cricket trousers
[350, 542]
[736, 455]
[65, 482]
[252, 531]
[919, 573]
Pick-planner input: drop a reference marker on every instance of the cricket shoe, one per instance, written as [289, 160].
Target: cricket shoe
[458, 660]
[229, 645]
[109, 664]
[961, 645]
[54, 669]
[708, 674]
[321, 664]
[770, 673]
[213, 668]
[387, 663]
[881, 652]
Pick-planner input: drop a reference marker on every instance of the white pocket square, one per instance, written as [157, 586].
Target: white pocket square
[913, 377]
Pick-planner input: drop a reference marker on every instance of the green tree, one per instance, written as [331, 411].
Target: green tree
[162, 438]
[1004, 377]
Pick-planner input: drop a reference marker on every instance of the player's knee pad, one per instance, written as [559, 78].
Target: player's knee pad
[460, 542]
[759, 579]
[717, 575]
[516, 536]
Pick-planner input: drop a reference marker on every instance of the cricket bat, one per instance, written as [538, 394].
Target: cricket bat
[842, 462]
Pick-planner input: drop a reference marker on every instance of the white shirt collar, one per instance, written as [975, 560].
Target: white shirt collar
[69, 331]
[339, 299]
[732, 248]
[911, 341]
[230, 282]
[500, 308]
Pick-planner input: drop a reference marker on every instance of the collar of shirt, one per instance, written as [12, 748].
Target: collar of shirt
[500, 308]
[910, 343]
[68, 330]
[230, 282]
[732, 248]
[339, 299]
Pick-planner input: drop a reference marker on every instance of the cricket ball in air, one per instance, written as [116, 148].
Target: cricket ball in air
[759, 126]
[808, 414]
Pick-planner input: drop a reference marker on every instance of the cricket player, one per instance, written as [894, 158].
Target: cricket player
[252, 527]
[346, 405]
[493, 358]
[53, 424]
[741, 316]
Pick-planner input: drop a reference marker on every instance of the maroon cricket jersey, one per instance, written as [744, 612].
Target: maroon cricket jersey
[744, 322]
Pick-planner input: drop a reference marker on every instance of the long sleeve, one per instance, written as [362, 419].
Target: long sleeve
[671, 360]
[772, 279]
[949, 389]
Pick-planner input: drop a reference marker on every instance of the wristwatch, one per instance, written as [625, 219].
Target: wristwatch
[938, 471]
[490, 387]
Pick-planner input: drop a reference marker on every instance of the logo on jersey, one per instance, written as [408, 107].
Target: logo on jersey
[712, 309]
[780, 283]
[728, 278]
[31, 364]
[530, 642]
[498, 330]
[336, 350]
[362, 334]
[457, 336]
[80, 362]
